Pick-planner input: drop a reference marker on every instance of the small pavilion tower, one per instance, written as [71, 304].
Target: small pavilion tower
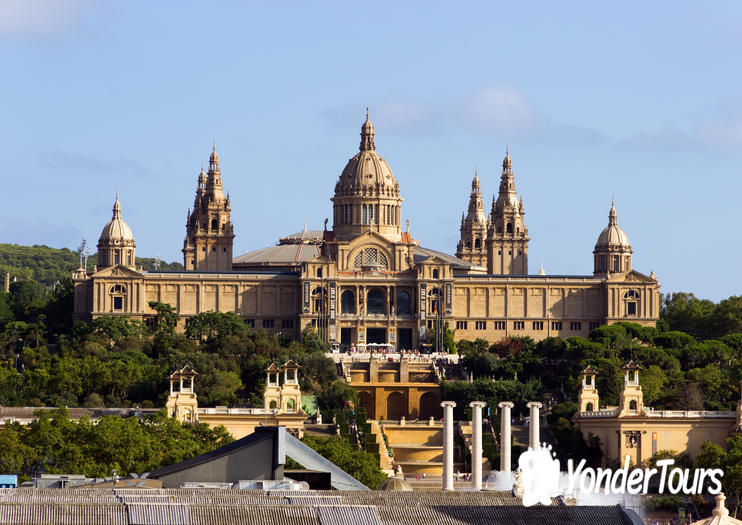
[116, 244]
[588, 397]
[209, 230]
[507, 238]
[472, 245]
[612, 251]
[182, 403]
[272, 394]
[290, 391]
[631, 399]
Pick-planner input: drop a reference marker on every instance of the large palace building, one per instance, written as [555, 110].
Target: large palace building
[367, 280]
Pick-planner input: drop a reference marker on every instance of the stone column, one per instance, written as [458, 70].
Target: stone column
[505, 437]
[534, 434]
[476, 444]
[448, 444]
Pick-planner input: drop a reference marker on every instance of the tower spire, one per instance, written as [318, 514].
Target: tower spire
[367, 135]
[117, 207]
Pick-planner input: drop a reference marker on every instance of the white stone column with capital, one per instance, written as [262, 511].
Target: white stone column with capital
[534, 423]
[476, 444]
[505, 435]
[448, 444]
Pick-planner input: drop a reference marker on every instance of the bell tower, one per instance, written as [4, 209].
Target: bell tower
[507, 238]
[472, 245]
[209, 230]
[588, 399]
[631, 399]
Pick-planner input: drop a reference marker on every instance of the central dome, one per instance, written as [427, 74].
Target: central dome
[367, 171]
[367, 194]
[612, 235]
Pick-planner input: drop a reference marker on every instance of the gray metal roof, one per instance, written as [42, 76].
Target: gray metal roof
[280, 254]
[233, 507]
[423, 253]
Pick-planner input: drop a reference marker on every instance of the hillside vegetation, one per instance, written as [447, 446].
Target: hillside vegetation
[49, 265]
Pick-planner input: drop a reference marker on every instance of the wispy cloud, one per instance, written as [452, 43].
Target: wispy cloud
[38, 17]
[498, 109]
[64, 161]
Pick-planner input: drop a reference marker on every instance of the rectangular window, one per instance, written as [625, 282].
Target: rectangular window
[594, 325]
[480, 325]
[267, 323]
[538, 325]
[287, 323]
[630, 308]
[225, 249]
[498, 325]
[365, 215]
[250, 323]
[519, 325]
[116, 257]
[575, 326]
[556, 325]
[430, 325]
[118, 303]
[460, 325]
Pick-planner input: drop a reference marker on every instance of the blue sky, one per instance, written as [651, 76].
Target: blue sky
[637, 100]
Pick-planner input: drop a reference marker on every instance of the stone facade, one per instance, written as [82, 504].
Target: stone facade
[366, 279]
[635, 430]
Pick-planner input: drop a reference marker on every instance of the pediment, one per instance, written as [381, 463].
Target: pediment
[637, 277]
[117, 271]
[435, 260]
[371, 238]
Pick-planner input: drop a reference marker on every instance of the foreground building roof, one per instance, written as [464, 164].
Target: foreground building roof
[227, 507]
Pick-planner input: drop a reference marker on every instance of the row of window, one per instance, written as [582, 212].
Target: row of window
[574, 326]
[369, 214]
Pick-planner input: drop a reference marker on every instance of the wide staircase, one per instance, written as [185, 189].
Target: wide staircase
[417, 447]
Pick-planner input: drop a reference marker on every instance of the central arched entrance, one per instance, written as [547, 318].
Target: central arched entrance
[396, 406]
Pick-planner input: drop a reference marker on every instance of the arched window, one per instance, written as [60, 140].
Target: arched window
[632, 406]
[589, 407]
[347, 302]
[632, 301]
[468, 245]
[371, 257]
[375, 301]
[118, 295]
[273, 404]
[435, 274]
[290, 405]
[214, 224]
[433, 300]
[477, 243]
[510, 227]
[403, 303]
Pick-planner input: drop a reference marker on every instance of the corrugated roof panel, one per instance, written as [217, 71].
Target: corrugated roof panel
[348, 515]
[62, 514]
[158, 514]
[253, 515]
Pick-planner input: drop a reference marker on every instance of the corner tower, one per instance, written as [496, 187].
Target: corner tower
[472, 245]
[209, 231]
[612, 251]
[116, 244]
[367, 194]
[507, 238]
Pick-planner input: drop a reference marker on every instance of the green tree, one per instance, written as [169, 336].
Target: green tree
[166, 318]
[213, 326]
[358, 463]
[729, 459]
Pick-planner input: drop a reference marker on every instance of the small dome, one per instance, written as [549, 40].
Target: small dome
[214, 157]
[613, 235]
[116, 231]
[396, 485]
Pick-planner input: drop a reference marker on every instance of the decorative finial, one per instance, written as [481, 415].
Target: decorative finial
[720, 511]
[326, 220]
[214, 150]
[408, 225]
[202, 166]
[366, 112]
